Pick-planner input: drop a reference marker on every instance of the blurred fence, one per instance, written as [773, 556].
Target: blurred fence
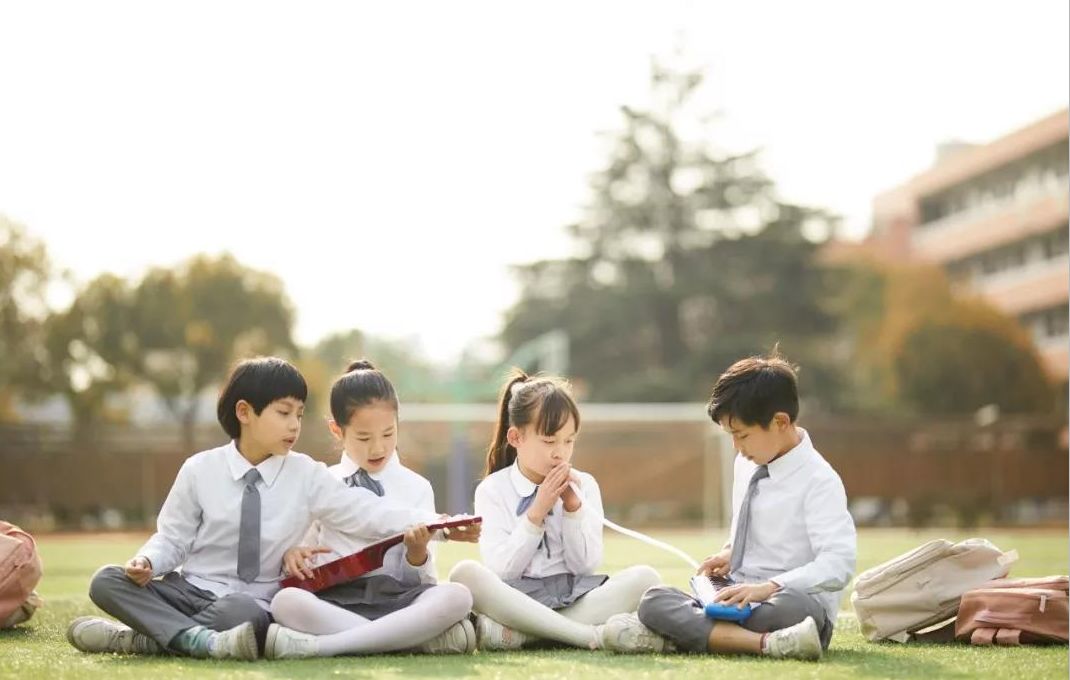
[656, 464]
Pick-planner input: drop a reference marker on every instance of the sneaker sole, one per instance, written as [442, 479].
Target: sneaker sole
[247, 649]
[470, 642]
[269, 642]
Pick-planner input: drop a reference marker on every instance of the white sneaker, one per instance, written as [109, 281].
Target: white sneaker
[460, 638]
[626, 633]
[287, 643]
[494, 636]
[800, 641]
[94, 634]
[238, 642]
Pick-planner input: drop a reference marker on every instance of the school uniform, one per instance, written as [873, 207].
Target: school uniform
[551, 564]
[397, 583]
[199, 548]
[790, 526]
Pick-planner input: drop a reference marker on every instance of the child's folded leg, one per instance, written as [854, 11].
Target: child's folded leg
[164, 608]
[676, 616]
[303, 611]
[514, 609]
[620, 594]
[786, 608]
[431, 613]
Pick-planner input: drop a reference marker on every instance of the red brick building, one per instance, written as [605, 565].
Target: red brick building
[995, 217]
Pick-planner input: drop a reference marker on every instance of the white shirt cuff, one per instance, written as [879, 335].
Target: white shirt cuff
[578, 515]
[530, 527]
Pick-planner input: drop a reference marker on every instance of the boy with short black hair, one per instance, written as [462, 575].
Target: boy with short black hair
[792, 546]
[230, 516]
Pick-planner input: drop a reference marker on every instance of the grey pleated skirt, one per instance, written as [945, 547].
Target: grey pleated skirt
[373, 597]
[559, 590]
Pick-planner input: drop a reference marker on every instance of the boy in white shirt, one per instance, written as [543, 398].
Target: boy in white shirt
[202, 584]
[793, 542]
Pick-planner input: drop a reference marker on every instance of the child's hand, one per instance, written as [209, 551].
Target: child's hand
[139, 570]
[296, 560]
[717, 564]
[466, 534]
[571, 500]
[416, 540]
[549, 491]
[745, 593]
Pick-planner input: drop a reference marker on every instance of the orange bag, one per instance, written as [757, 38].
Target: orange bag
[20, 570]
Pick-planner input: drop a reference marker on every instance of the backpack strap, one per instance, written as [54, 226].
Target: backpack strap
[943, 634]
[1009, 637]
[983, 636]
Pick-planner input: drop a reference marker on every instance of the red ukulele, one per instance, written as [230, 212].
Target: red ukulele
[353, 566]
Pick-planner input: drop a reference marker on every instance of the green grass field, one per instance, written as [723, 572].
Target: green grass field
[39, 649]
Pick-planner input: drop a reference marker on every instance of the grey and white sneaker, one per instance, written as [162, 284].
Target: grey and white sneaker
[238, 642]
[287, 643]
[493, 636]
[800, 641]
[94, 634]
[625, 633]
[460, 638]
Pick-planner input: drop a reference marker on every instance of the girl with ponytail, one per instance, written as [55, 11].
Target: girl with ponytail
[542, 530]
[399, 606]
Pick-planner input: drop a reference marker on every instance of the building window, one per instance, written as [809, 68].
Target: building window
[1048, 324]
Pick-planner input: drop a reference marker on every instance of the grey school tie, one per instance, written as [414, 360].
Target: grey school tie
[743, 524]
[249, 529]
[363, 479]
[525, 502]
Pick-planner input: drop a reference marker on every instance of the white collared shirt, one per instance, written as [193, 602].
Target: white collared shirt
[197, 528]
[510, 545]
[401, 486]
[801, 535]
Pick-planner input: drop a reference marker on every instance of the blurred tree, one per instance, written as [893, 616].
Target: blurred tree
[414, 378]
[195, 320]
[25, 271]
[688, 261]
[917, 346]
[970, 358]
[91, 350]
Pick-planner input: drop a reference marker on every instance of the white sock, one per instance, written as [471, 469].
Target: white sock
[343, 632]
[619, 595]
[512, 608]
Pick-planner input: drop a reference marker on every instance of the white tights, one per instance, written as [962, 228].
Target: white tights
[341, 631]
[573, 625]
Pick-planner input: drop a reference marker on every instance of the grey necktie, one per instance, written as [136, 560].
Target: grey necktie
[743, 524]
[525, 502]
[363, 479]
[249, 529]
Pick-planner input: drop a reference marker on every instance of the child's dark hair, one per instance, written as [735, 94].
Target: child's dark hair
[545, 401]
[258, 381]
[755, 389]
[361, 385]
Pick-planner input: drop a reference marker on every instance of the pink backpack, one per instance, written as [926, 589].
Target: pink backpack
[1015, 612]
[20, 570]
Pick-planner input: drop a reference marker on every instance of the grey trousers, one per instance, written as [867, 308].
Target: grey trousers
[167, 606]
[675, 615]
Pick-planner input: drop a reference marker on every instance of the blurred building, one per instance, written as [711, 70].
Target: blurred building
[995, 217]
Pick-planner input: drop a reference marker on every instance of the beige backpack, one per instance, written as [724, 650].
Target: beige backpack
[924, 586]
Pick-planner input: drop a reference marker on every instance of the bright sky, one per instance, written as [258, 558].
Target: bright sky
[390, 160]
